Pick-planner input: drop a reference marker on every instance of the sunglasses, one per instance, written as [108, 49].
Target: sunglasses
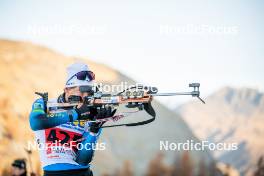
[83, 75]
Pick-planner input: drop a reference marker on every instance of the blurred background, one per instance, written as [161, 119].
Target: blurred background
[167, 44]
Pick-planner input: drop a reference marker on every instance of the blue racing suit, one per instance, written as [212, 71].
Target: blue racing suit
[58, 136]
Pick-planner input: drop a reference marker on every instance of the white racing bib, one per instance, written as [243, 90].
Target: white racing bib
[59, 144]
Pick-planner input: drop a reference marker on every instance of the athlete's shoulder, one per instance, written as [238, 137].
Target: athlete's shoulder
[38, 104]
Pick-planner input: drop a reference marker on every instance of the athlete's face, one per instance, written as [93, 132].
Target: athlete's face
[74, 91]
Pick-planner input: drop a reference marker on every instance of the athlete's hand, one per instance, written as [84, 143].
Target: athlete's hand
[104, 112]
[101, 113]
[84, 112]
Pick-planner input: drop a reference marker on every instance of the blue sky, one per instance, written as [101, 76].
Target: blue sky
[164, 43]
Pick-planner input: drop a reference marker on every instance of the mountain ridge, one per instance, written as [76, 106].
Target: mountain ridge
[230, 115]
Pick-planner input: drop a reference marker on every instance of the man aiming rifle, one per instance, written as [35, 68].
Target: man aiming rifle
[62, 130]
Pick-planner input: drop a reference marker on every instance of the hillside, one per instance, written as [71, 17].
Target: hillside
[26, 68]
[230, 115]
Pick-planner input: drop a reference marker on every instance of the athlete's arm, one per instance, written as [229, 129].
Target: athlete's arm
[40, 120]
[85, 154]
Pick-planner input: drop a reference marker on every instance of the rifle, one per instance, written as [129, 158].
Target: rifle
[139, 97]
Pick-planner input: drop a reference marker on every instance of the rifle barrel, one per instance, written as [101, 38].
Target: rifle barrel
[176, 93]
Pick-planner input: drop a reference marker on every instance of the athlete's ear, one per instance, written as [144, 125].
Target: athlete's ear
[65, 90]
[66, 93]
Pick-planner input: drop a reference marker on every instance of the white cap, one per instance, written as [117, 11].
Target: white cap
[72, 80]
